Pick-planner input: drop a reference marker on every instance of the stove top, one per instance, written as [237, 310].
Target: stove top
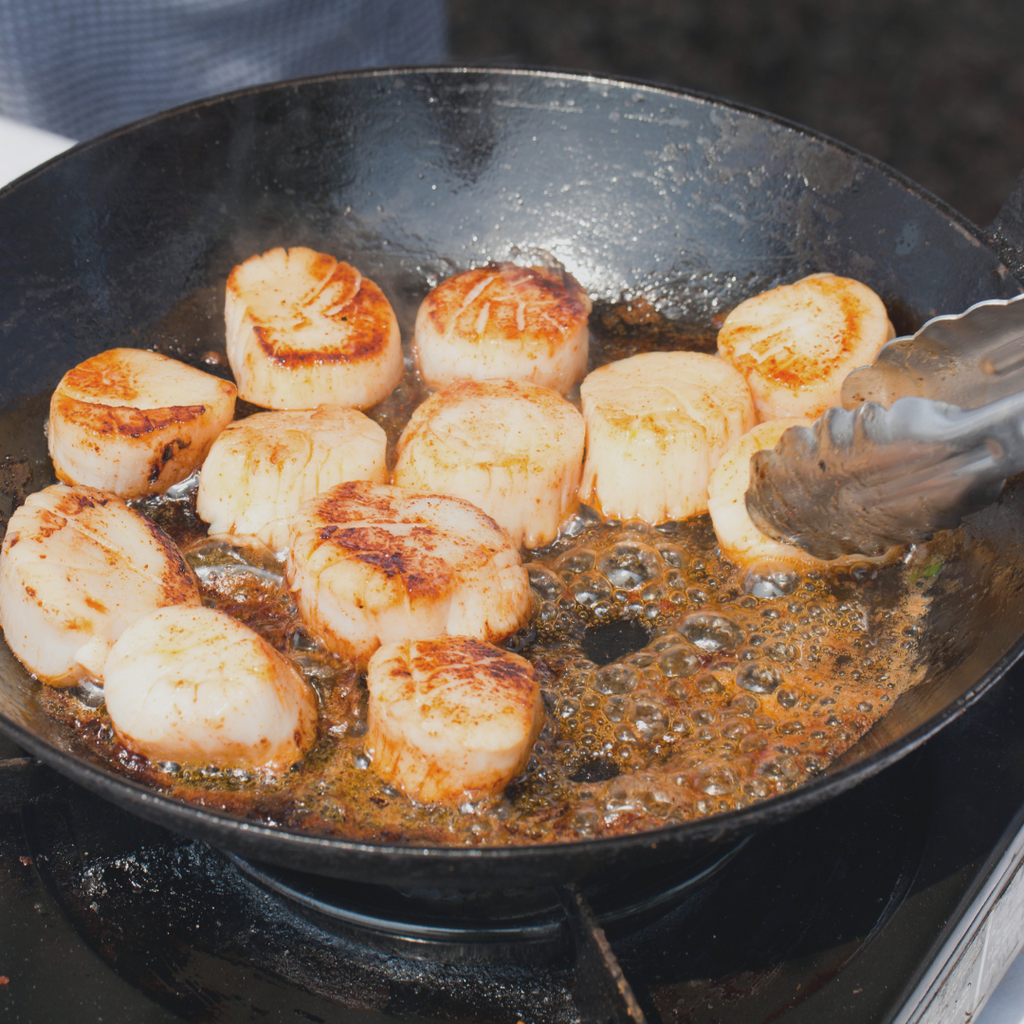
[899, 901]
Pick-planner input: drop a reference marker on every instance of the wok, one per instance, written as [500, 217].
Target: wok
[639, 190]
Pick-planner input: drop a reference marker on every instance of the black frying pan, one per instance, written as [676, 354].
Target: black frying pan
[692, 203]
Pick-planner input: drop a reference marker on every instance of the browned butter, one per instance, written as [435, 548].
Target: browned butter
[728, 687]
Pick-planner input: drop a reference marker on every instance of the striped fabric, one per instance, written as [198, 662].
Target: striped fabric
[80, 67]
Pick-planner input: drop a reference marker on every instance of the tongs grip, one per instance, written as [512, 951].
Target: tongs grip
[865, 480]
[969, 360]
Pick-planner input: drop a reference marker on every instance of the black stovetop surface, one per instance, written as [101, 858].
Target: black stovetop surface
[836, 915]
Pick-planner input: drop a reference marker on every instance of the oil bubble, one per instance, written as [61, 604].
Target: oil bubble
[769, 585]
[568, 708]
[672, 555]
[737, 728]
[624, 734]
[679, 661]
[616, 709]
[758, 677]
[744, 704]
[666, 640]
[616, 679]
[546, 584]
[649, 718]
[782, 652]
[709, 683]
[590, 588]
[711, 632]
[783, 767]
[584, 518]
[676, 580]
[576, 561]
[620, 799]
[656, 802]
[630, 564]
[715, 780]
[642, 659]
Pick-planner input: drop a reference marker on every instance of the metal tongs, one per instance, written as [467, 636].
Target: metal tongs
[930, 432]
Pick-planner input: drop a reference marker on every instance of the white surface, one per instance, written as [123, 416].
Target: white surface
[1006, 1004]
[23, 147]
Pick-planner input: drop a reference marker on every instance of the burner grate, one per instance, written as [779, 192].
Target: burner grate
[425, 920]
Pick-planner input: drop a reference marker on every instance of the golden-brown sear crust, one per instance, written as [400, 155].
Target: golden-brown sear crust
[178, 586]
[180, 583]
[451, 715]
[353, 501]
[373, 563]
[774, 360]
[553, 305]
[132, 421]
[364, 502]
[355, 303]
[410, 564]
[123, 420]
[109, 382]
[440, 660]
[104, 376]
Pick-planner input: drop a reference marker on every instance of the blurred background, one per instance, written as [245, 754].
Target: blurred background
[933, 87]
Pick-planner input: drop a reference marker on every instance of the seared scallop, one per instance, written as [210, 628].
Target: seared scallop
[657, 424]
[511, 448]
[451, 717]
[134, 422]
[77, 567]
[261, 469]
[305, 330]
[519, 323]
[795, 344]
[740, 540]
[197, 687]
[373, 564]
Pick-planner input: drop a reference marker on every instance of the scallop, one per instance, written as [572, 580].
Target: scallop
[795, 344]
[305, 330]
[504, 321]
[133, 422]
[451, 717]
[372, 564]
[657, 424]
[261, 469]
[740, 540]
[77, 567]
[511, 448]
[197, 687]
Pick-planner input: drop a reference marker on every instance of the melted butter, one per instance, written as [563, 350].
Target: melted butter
[740, 687]
[731, 688]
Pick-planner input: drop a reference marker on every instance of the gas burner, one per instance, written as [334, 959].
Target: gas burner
[488, 923]
[176, 918]
[898, 901]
